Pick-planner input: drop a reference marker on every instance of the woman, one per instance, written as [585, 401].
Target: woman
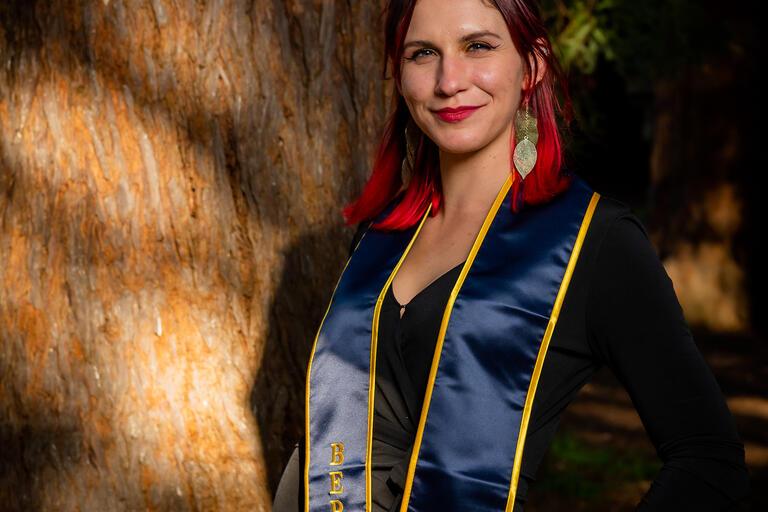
[483, 293]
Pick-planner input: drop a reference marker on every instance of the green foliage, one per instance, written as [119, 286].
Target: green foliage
[576, 469]
[616, 52]
[578, 32]
[646, 40]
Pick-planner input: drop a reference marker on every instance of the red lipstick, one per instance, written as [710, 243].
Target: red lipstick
[454, 115]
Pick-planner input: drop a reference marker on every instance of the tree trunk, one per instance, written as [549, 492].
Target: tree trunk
[171, 175]
[705, 201]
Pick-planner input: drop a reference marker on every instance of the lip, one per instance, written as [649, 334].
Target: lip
[454, 115]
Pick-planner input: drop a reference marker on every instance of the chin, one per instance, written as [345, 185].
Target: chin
[459, 146]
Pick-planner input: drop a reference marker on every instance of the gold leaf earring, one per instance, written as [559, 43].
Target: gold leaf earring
[526, 136]
[409, 162]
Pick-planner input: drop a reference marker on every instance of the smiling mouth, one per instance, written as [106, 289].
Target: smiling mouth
[455, 115]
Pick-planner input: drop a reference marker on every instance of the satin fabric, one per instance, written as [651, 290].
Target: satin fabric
[339, 375]
[468, 441]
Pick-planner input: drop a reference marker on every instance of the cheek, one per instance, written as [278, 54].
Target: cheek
[504, 88]
[416, 85]
[499, 81]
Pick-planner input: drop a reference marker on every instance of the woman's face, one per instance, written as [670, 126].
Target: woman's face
[458, 54]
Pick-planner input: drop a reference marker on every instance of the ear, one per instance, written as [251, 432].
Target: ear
[537, 64]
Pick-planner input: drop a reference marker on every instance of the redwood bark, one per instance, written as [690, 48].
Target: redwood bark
[171, 175]
[702, 172]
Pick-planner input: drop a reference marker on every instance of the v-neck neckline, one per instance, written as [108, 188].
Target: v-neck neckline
[423, 290]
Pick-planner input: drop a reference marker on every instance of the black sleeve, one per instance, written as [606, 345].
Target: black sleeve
[289, 496]
[636, 326]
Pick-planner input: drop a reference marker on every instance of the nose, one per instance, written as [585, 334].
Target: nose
[451, 76]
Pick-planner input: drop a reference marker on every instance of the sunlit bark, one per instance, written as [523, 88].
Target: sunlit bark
[170, 179]
[699, 213]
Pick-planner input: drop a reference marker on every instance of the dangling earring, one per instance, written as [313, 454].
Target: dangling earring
[526, 136]
[409, 162]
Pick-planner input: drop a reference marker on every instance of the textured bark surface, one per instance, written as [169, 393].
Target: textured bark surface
[171, 173]
[706, 209]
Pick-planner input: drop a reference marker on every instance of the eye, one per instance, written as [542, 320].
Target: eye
[482, 46]
[418, 53]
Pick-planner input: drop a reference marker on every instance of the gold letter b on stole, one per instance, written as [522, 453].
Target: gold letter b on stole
[337, 458]
[337, 454]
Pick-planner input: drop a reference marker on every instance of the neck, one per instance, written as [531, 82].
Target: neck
[471, 181]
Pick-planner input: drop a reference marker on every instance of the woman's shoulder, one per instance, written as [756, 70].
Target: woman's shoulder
[617, 249]
[626, 266]
[617, 220]
[610, 212]
[618, 223]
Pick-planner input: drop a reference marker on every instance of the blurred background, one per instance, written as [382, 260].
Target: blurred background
[171, 175]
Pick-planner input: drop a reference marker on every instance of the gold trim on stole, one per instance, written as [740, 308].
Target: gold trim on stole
[586, 221]
[307, 442]
[441, 336]
[372, 369]
[372, 365]
[490, 216]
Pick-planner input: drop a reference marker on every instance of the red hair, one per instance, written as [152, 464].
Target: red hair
[544, 182]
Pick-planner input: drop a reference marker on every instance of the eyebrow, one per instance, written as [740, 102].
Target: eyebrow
[467, 37]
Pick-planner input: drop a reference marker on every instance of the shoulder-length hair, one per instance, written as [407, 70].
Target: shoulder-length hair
[544, 182]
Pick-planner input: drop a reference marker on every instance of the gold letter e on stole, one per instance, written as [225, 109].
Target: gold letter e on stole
[337, 458]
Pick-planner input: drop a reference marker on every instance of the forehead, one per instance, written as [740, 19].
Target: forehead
[450, 19]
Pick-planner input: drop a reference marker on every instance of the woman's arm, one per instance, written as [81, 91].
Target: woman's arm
[636, 326]
[289, 496]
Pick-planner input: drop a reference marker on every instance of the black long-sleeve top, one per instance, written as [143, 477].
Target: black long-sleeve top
[623, 313]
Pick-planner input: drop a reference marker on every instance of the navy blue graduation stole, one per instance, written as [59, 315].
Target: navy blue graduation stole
[490, 349]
